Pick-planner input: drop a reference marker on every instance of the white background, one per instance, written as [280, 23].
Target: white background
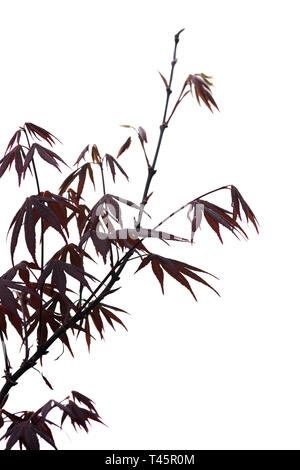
[222, 373]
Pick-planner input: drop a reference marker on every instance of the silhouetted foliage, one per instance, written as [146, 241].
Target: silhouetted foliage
[38, 297]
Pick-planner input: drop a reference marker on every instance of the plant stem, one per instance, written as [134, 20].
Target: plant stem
[104, 192]
[25, 328]
[42, 247]
[6, 360]
[113, 276]
[163, 126]
[185, 205]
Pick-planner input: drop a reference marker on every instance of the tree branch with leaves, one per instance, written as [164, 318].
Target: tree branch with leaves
[36, 298]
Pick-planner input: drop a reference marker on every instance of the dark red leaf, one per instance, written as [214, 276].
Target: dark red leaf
[49, 216]
[15, 139]
[201, 86]
[164, 80]
[113, 164]
[79, 416]
[156, 268]
[59, 269]
[83, 399]
[17, 222]
[39, 132]
[25, 432]
[81, 174]
[54, 215]
[12, 317]
[215, 216]
[95, 154]
[124, 147]
[16, 155]
[76, 255]
[48, 155]
[47, 382]
[104, 311]
[82, 155]
[7, 297]
[142, 135]
[176, 269]
[29, 230]
[237, 201]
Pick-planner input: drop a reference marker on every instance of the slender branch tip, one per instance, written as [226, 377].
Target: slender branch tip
[178, 34]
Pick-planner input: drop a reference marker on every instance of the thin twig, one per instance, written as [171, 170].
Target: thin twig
[24, 327]
[190, 202]
[177, 104]
[163, 126]
[112, 277]
[42, 248]
[111, 255]
[6, 359]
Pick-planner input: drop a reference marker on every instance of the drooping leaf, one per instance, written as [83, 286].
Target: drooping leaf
[40, 133]
[15, 139]
[79, 416]
[13, 317]
[26, 431]
[215, 216]
[49, 319]
[237, 202]
[176, 269]
[107, 208]
[98, 314]
[73, 196]
[6, 296]
[58, 205]
[29, 230]
[47, 382]
[142, 135]
[113, 164]
[124, 147]
[58, 270]
[51, 208]
[96, 154]
[16, 155]
[164, 80]
[23, 269]
[200, 84]
[47, 155]
[23, 433]
[82, 155]
[102, 246]
[75, 253]
[157, 270]
[142, 138]
[82, 217]
[79, 173]
[84, 400]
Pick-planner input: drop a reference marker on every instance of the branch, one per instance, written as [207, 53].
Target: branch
[6, 360]
[111, 255]
[163, 126]
[42, 246]
[113, 276]
[25, 327]
[185, 205]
